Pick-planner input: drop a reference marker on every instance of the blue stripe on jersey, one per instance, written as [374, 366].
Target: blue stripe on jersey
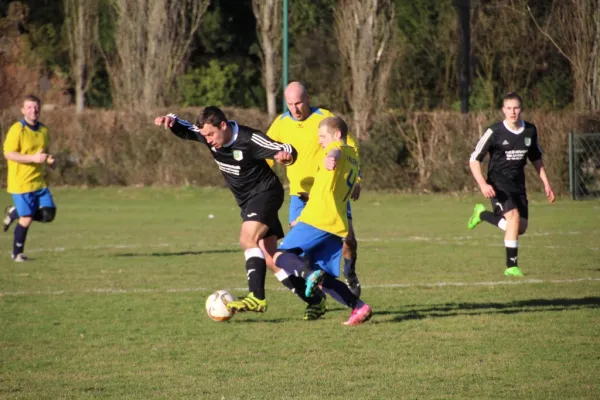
[37, 126]
[313, 110]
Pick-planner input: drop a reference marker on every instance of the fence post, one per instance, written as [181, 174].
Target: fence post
[571, 167]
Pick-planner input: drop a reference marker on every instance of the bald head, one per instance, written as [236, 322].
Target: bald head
[296, 99]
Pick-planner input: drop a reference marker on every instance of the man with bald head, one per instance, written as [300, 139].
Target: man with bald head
[299, 126]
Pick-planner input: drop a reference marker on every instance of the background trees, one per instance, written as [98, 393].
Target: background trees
[159, 52]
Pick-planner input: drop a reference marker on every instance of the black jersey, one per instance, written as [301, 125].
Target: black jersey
[242, 161]
[509, 152]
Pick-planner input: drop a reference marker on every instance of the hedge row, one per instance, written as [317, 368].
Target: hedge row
[414, 151]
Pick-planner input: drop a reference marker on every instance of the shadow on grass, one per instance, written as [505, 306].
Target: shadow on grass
[175, 253]
[513, 307]
[259, 321]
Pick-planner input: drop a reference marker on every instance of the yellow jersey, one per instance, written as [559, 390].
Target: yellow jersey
[303, 135]
[25, 178]
[326, 208]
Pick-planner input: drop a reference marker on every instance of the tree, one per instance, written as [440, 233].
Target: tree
[364, 30]
[81, 24]
[152, 39]
[573, 28]
[268, 15]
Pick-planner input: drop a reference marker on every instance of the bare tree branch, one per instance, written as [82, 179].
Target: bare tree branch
[545, 33]
[268, 15]
[152, 38]
[82, 31]
[364, 29]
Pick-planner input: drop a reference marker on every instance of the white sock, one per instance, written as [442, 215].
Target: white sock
[502, 224]
[281, 275]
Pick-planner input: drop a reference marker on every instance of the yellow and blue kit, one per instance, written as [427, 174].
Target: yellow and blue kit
[25, 139]
[324, 223]
[303, 136]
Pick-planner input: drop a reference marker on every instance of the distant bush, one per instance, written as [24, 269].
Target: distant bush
[412, 151]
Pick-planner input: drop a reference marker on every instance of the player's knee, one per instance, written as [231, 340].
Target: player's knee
[276, 256]
[47, 214]
[523, 224]
[25, 221]
[512, 215]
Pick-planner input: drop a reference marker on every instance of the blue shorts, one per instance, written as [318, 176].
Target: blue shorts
[297, 205]
[28, 203]
[323, 248]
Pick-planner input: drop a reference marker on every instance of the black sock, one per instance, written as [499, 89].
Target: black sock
[339, 291]
[14, 214]
[511, 256]
[256, 269]
[490, 217]
[298, 286]
[350, 268]
[20, 237]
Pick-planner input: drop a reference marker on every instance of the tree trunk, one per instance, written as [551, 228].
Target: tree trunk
[268, 15]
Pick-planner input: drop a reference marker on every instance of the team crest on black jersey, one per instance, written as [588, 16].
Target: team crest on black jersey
[239, 156]
[527, 141]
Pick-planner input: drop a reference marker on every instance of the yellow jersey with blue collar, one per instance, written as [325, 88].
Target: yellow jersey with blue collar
[326, 208]
[303, 136]
[25, 139]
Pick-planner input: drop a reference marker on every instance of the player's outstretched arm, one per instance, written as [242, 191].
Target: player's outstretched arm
[180, 127]
[486, 190]
[264, 148]
[539, 166]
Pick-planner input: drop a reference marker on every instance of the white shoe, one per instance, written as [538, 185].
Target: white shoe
[20, 258]
[7, 220]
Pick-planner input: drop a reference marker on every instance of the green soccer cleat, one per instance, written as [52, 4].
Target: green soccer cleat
[513, 271]
[314, 311]
[475, 218]
[248, 303]
[313, 281]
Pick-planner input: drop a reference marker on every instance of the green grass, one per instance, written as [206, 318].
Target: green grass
[112, 305]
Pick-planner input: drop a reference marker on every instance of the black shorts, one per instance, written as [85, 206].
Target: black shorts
[264, 208]
[505, 202]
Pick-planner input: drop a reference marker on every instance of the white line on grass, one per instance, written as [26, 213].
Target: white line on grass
[456, 240]
[380, 286]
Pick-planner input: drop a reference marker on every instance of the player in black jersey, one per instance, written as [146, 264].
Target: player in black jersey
[240, 154]
[510, 143]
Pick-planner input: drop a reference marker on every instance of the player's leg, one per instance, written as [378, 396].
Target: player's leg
[349, 254]
[46, 211]
[256, 268]
[26, 205]
[523, 207]
[328, 257]
[295, 283]
[511, 242]
[494, 217]
[301, 240]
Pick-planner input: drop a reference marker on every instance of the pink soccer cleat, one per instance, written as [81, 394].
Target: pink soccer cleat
[360, 315]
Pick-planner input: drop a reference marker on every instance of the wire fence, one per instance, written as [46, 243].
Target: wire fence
[584, 165]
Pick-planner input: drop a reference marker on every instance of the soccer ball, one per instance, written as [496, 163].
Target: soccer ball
[216, 305]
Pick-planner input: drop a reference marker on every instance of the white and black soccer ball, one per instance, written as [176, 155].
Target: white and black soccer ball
[216, 305]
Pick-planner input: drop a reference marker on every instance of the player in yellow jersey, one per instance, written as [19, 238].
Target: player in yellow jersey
[298, 126]
[323, 224]
[26, 152]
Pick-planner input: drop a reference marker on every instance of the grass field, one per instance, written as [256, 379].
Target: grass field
[112, 305]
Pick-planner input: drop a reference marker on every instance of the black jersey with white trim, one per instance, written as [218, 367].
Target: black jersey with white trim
[242, 160]
[509, 151]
